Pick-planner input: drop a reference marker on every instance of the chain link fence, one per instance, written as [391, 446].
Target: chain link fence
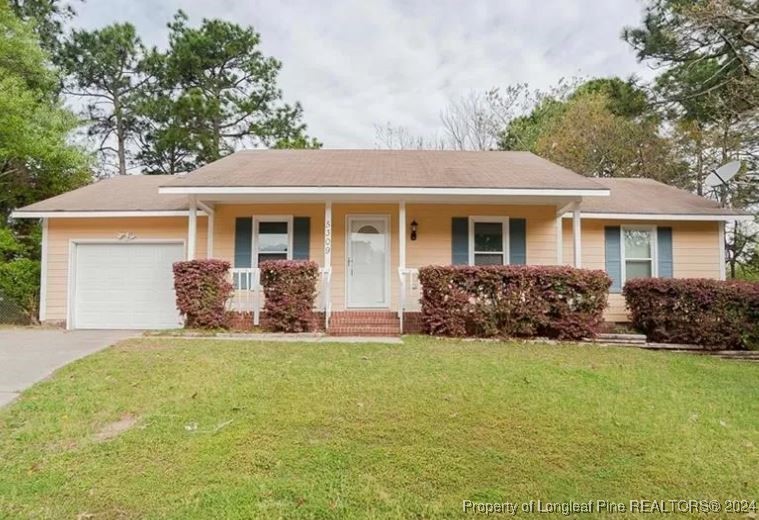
[10, 313]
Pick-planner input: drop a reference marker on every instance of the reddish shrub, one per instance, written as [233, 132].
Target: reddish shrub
[289, 290]
[240, 321]
[202, 290]
[712, 313]
[522, 301]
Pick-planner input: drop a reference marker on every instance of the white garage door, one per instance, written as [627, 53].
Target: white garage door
[125, 286]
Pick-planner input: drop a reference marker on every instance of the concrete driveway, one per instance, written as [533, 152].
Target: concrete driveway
[30, 355]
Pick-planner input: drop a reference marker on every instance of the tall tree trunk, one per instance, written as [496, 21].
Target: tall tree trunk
[122, 155]
[700, 160]
[218, 120]
[120, 137]
[216, 138]
[725, 143]
[172, 162]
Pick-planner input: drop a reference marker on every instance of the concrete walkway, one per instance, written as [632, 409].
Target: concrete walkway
[30, 355]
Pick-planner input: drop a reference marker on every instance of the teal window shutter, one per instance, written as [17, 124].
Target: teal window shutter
[517, 241]
[664, 252]
[243, 246]
[301, 237]
[460, 241]
[613, 254]
[243, 241]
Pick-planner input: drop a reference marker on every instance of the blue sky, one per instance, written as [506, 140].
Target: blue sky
[357, 64]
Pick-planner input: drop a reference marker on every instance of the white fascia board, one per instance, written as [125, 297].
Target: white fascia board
[663, 216]
[339, 190]
[100, 214]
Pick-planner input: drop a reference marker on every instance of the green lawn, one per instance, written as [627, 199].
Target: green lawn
[232, 429]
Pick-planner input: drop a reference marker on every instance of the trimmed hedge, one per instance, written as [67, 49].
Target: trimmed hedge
[290, 291]
[516, 301]
[202, 288]
[712, 313]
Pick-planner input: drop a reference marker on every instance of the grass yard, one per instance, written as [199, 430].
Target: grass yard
[182, 428]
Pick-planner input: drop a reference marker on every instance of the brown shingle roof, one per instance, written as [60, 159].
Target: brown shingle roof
[140, 193]
[647, 196]
[384, 168]
[121, 193]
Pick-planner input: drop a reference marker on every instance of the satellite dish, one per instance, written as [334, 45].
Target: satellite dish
[723, 174]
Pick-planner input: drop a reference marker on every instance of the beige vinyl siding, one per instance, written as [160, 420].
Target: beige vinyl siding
[695, 244]
[226, 214]
[695, 252]
[61, 232]
[224, 225]
[433, 243]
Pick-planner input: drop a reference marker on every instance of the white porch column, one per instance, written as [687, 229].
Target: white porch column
[328, 234]
[722, 266]
[577, 235]
[192, 227]
[402, 234]
[401, 259]
[559, 240]
[327, 276]
[208, 210]
[209, 239]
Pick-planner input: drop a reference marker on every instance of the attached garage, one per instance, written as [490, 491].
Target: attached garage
[123, 285]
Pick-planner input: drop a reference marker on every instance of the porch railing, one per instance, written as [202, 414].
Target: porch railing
[326, 293]
[248, 294]
[409, 291]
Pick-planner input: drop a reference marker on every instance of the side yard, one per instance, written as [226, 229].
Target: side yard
[183, 428]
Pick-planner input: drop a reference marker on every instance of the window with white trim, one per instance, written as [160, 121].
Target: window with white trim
[638, 252]
[272, 239]
[488, 241]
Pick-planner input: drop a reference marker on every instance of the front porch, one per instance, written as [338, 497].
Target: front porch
[369, 252]
[248, 300]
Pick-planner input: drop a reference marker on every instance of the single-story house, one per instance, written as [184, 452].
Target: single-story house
[370, 218]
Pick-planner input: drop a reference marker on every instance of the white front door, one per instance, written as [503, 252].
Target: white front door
[368, 262]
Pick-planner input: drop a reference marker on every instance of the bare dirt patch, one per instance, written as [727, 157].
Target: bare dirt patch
[116, 428]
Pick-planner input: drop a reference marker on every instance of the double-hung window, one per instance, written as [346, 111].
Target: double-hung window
[638, 252]
[273, 238]
[488, 241]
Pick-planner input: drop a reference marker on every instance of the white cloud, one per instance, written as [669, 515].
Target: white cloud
[354, 64]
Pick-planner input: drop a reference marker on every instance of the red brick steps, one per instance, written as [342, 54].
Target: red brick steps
[364, 323]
